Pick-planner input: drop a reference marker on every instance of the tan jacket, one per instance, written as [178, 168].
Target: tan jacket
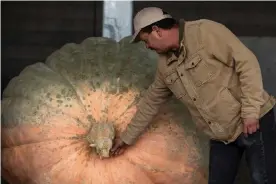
[215, 76]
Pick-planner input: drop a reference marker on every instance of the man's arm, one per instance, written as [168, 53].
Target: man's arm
[227, 48]
[157, 94]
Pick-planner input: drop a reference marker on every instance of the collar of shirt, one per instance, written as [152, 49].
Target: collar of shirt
[181, 52]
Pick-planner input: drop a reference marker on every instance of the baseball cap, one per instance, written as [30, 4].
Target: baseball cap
[146, 17]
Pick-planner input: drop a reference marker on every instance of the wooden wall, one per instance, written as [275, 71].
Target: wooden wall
[243, 18]
[33, 30]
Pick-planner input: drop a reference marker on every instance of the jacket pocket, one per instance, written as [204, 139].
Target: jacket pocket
[199, 70]
[224, 114]
[175, 84]
[225, 110]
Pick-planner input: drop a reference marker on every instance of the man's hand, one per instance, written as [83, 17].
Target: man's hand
[250, 126]
[118, 147]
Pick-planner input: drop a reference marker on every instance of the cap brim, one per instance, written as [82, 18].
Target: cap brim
[134, 37]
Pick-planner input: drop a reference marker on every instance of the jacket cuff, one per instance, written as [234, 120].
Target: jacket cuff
[246, 113]
[126, 138]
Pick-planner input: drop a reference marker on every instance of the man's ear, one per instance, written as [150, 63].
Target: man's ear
[157, 30]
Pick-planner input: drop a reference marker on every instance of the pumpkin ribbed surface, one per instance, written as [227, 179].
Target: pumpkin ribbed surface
[83, 94]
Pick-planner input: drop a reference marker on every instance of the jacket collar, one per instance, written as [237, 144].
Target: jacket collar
[181, 52]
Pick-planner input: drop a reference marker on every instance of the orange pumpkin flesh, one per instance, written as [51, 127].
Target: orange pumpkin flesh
[49, 112]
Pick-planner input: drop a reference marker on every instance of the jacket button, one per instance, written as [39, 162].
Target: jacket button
[181, 74]
[209, 122]
[192, 63]
[194, 99]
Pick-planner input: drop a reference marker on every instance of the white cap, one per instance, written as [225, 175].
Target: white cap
[146, 17]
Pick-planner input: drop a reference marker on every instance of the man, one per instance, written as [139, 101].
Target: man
[219, 80]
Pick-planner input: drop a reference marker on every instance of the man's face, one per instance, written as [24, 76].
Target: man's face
[156, 40]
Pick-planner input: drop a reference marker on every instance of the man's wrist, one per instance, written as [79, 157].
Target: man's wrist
[246, 114]
[126, 139]
[254, 116]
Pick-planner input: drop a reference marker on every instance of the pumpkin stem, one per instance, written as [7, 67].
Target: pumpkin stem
[100, 137]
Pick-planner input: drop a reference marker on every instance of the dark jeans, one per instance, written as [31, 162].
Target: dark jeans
[260, 154]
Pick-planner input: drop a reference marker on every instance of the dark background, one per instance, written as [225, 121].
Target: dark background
[31, 31]
[243, 18]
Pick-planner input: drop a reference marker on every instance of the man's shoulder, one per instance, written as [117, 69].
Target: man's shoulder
[201, 22]
[197, 27]
[197, 30]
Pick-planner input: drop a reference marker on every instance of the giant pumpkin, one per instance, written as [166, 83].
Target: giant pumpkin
[59, 119]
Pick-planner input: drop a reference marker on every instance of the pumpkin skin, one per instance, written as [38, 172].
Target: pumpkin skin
[59, 119]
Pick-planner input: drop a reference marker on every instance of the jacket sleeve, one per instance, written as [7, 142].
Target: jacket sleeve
[227, 48]
[148, 107]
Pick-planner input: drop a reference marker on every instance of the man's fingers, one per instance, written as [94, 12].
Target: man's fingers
[258, 126]
[253, 128]
[114, 149]
[250, 126]
[245, 130]
[117, 151]
[114, 152]
[121, 151]
[250, 129]
[118, 148]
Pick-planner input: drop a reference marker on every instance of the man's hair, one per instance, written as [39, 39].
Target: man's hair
[166, 23]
